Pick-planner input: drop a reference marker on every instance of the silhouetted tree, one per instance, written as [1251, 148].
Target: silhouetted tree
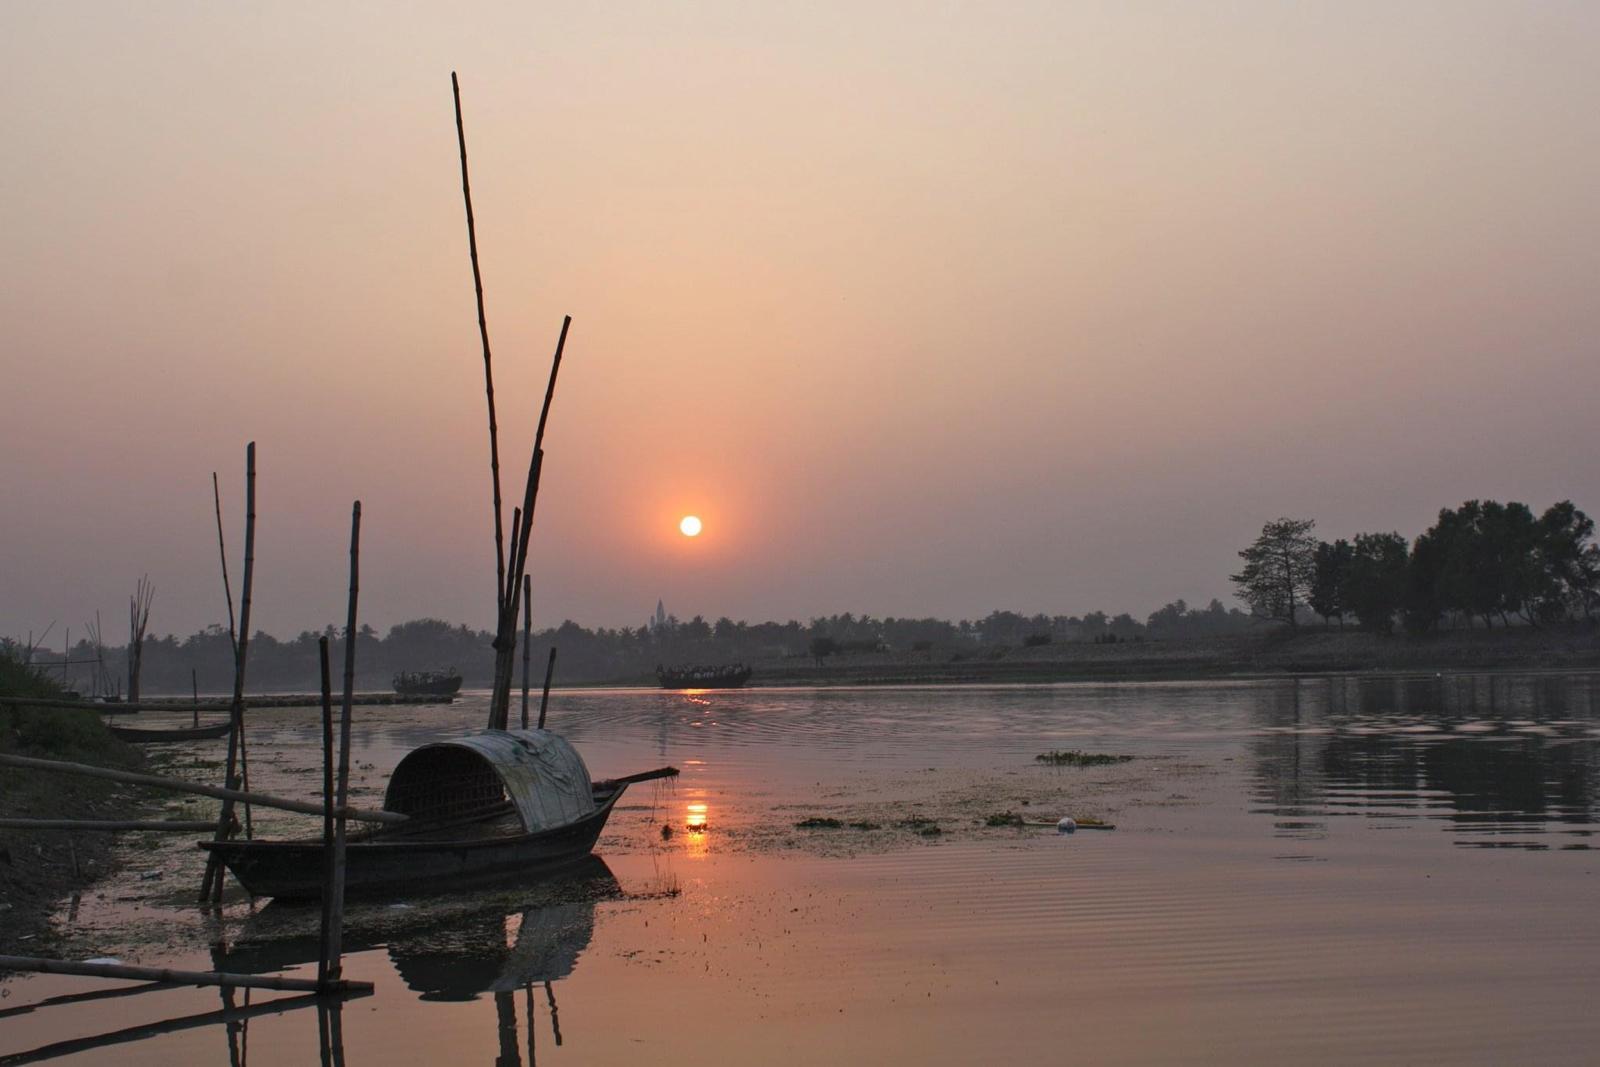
[1374, 586]
[1570, 561]
[1278, 569]
[1332, 563]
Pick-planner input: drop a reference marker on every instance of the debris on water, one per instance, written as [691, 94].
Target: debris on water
[106, 960]
[1003, 818]
[930, 831]
[1067, 825]
[1076, 758]
[864, 825]
[666, 831]
[149, 876]
[819, 822]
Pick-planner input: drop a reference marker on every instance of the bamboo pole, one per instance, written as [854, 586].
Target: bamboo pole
[555, 1012]
[646, 776]
[527, 635]
[171, 825]
[342, 788]
[544, 698]
[222, 551]
[85, 705]
[531, 490]
[324, 940]
[228, 1015]
[114, 993]
[178, 784]
[163, 974]
[505, 632]
[211, 884]
[511, 553]
[488, 361]
[330, 1032]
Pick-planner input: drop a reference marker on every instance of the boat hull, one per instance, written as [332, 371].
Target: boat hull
[293, 870]
[140, 736]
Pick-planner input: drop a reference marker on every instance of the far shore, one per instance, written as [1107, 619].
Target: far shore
[1274, 654]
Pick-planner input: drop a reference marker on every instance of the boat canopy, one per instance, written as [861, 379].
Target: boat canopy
[538, 771]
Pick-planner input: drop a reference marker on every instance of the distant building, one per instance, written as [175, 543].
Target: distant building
[660, 621]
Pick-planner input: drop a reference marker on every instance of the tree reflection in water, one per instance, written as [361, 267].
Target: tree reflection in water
[1504, 760]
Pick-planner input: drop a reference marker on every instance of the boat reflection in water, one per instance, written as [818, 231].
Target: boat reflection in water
[496, 952]
[500, 950]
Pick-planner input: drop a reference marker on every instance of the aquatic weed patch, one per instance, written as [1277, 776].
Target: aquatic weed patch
[1076, 758]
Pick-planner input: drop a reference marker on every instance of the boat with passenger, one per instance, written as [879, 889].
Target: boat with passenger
[722, 676]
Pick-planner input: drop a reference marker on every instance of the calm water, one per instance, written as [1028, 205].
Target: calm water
[1321, 870]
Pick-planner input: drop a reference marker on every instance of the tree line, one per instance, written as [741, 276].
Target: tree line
[1481, 562]
[204, 660]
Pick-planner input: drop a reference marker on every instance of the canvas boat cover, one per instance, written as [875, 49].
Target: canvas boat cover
[542, 774]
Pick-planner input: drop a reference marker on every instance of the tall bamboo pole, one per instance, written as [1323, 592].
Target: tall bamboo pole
[342, 789]
[527, 635]
[211, 884]
[488, 362]
[327, 816]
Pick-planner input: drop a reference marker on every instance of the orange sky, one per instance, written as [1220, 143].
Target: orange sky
[924, 308]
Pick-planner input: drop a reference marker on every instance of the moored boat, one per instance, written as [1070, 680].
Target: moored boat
[142, 736]
[489, 806]
[723, 676]
[428, 683]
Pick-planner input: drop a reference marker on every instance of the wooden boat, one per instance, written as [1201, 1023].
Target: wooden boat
[142, 736]
[428, 683]
[482, 808]
[726, 676]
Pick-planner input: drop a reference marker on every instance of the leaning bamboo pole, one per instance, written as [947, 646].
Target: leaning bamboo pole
[163, 974]
[157, 781]
[544, 698]
[488, 361]
[506, 629]
[211, 883]
[222, 551]
[230, 1016]
[158, 825]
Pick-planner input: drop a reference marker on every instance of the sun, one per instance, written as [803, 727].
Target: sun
[689, 526]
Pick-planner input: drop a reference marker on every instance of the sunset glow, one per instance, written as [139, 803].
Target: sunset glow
[690, 526]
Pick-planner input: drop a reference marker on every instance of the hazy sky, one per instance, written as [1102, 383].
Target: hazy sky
[925, 308]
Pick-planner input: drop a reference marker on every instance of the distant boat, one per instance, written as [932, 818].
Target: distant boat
[726, 676]
[428, 683]
[140, 736]
[502, 804]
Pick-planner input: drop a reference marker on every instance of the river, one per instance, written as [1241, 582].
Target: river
[1317, 870]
